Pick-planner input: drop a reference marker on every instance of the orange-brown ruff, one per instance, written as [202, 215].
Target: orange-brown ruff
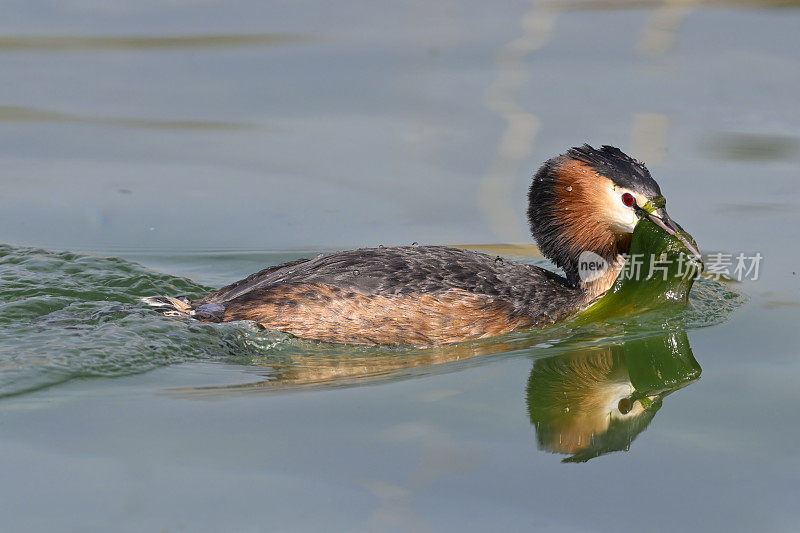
[583, 219]
[431, 295]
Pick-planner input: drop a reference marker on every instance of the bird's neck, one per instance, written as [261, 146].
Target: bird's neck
[601, 284]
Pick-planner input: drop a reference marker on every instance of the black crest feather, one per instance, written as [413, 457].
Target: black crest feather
[617, 166]
[546, 223]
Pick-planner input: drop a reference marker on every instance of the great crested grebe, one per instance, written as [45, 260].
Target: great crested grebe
[584, 200]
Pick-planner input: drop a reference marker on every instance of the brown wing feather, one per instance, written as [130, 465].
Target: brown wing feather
[332, 314]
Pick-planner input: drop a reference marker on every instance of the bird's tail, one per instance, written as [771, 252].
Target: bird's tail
[184, 307]
[169, 306]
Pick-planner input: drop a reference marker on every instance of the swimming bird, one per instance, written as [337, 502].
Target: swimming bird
[585, 200]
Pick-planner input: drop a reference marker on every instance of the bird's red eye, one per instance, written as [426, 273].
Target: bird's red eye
[628, 199]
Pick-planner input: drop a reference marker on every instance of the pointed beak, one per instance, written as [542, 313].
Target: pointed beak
[660, 218]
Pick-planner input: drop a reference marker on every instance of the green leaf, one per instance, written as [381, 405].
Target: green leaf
[658, 273]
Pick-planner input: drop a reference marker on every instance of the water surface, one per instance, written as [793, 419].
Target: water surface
[152, 147]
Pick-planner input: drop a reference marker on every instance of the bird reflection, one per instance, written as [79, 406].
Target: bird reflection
[297, 364]
[593, 397]
[590, 401]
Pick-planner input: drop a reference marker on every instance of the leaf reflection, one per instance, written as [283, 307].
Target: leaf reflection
[591, 398]
[590, 401]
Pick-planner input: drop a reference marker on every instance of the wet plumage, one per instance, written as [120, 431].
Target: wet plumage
[430, 295]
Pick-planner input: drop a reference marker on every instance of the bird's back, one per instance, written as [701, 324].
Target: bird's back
[421, 295]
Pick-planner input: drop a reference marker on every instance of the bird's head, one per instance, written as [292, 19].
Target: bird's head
[590, 200]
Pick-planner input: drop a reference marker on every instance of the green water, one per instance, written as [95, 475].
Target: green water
[67, 316]
[152, 148]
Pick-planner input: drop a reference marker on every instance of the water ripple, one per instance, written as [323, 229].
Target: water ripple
[33, 115]
[65, 315]
[144, 43]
